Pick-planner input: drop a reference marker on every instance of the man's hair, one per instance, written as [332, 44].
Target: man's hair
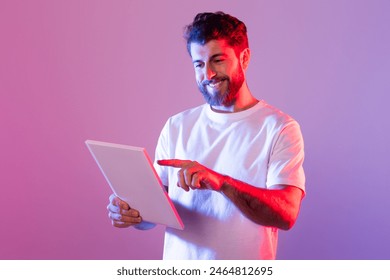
[217, 26]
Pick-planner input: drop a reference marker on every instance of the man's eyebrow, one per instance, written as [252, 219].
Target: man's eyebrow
[217, 54]
[212, 57]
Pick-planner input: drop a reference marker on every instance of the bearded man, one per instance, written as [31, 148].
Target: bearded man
[233, 166]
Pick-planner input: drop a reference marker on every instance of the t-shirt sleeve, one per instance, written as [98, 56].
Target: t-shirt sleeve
[286, 160]
[162, 152]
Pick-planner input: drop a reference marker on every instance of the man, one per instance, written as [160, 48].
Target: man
[233, 166]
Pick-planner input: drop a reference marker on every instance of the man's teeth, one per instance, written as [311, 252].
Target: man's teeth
[215, 84]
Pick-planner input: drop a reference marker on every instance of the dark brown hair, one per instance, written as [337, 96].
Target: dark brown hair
[217, 26]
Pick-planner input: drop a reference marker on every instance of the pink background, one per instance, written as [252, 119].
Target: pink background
[116, 70]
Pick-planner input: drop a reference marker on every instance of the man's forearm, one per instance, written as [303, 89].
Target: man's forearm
[274, 208]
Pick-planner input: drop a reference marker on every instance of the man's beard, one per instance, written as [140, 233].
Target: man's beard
[227, 97]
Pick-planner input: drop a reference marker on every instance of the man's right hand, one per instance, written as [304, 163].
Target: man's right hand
[120, 213]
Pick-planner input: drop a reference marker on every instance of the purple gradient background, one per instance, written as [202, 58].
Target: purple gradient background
[116, 70]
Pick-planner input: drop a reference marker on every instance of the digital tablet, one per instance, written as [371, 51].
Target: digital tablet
[132, 177]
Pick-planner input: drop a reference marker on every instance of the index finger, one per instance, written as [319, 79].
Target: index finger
[178, 163]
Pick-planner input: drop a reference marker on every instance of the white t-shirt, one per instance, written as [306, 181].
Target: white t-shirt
[260, 146]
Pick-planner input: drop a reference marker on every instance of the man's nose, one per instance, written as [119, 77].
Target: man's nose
[210, 72]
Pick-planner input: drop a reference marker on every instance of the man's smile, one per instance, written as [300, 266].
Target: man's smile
[215, 84]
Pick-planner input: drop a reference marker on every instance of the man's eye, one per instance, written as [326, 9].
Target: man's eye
[198, 65]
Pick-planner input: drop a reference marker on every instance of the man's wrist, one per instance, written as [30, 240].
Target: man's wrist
[225, 185]
[144, 225]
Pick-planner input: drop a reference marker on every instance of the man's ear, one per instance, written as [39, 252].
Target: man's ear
[245, 57]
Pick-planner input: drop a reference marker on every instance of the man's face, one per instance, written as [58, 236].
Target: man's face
[218, 72]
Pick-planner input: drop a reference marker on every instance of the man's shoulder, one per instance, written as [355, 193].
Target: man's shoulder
[187, 115]
[273, 114]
